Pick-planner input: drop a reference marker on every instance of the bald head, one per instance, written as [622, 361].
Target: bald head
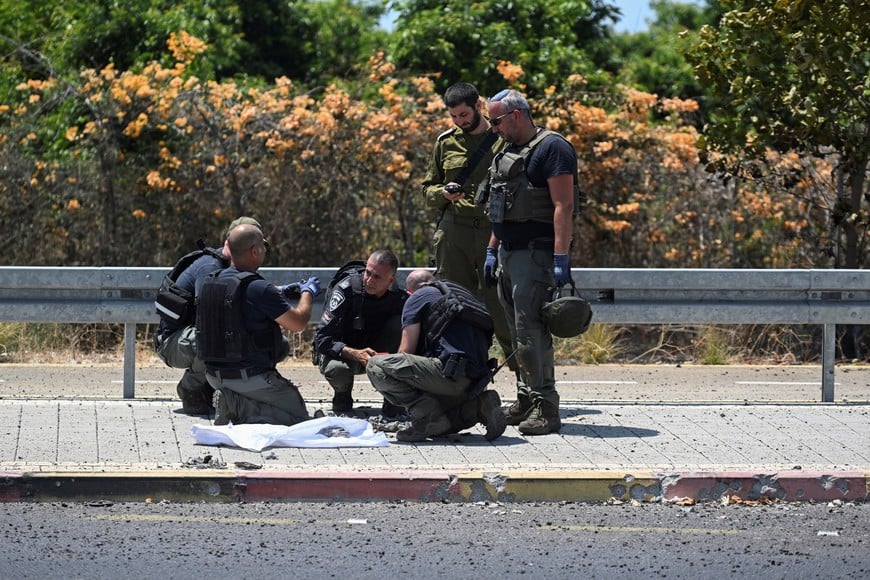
[247, 247]
[417, 278]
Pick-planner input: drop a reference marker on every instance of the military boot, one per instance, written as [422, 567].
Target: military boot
[516, 413]
[391, 411]
[542, 418]
[490, 414]
[422, 429]
[342, 403]
[222, 413]
[196, 402]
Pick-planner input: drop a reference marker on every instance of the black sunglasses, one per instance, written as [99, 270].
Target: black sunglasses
[495, 121]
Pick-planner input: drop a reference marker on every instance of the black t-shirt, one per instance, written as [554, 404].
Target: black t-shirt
[551, 157]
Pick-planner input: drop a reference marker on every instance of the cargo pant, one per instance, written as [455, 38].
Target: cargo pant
[460, 249]
[418, 384]
[525, 282]
[178, 350]
[262, 398]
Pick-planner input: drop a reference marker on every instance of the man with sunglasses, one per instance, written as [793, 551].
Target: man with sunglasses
[458, 165]
[531, 199]
[239, 320]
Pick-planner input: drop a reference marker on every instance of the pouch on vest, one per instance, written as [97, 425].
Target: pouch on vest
[175, 305]
[456, 303]
[495, 206]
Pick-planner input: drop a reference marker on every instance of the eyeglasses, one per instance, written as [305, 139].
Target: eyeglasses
[495, 121]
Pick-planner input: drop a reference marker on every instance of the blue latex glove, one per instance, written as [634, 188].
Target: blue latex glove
[291, 291]
[489, 266]
[561, 269]
[311, 285]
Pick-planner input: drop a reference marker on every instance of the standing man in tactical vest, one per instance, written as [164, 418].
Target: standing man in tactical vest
[239, 321]
[532, 197]
[176, 344]
[459, 164]
[358, 323]
[436, 378]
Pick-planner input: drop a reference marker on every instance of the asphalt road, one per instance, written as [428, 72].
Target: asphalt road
[401, 540]
[598, 383]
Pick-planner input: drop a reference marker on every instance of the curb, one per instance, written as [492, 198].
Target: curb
[429, 486]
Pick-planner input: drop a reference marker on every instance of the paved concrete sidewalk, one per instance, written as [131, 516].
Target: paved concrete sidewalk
[137, 450]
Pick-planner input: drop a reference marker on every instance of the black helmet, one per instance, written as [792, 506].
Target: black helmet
[567, 316]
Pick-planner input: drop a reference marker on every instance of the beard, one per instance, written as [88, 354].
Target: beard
[474, 123]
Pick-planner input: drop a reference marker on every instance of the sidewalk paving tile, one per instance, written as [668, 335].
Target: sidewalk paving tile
[698, 448]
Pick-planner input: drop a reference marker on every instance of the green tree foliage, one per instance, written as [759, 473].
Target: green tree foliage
[795, 76]
[75, 34]
[309, 41]
[654, 60]
[461, 40]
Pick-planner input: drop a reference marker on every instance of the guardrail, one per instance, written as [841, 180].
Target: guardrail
[618, 296]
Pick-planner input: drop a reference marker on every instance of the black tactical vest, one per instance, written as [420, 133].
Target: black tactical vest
[221, 332]
[456, 304]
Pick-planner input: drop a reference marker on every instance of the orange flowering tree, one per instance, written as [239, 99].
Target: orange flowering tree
[131, 167]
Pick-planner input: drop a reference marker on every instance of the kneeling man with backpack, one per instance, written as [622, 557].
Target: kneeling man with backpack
[442, 368]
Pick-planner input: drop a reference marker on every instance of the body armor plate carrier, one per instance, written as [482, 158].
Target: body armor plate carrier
[222, 335]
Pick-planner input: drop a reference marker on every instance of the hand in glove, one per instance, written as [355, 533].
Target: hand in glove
[489, 267]
[311, 285]
[291, 291]
[561, 269]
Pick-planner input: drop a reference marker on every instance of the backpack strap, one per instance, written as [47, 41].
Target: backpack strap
[475, 158]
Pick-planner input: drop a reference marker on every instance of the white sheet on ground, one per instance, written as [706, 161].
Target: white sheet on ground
[321, 432]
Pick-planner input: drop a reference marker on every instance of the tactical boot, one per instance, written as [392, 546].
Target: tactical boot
[516, 413]
[391, 411]
[422, 429]
[195, 402]
[490, 414]
[342, 403]
[543, 418]
[222, 413]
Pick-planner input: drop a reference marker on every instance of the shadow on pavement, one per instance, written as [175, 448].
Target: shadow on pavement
[606, 431]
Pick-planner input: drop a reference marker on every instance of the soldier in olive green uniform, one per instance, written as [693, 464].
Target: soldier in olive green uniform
[455, 171]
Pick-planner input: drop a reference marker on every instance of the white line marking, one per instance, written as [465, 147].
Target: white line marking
[119, 382]
[596, 382]
[784, 383]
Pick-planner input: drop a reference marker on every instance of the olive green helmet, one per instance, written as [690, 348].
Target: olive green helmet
[567, 316]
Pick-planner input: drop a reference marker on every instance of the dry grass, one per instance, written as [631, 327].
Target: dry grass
[707, 344]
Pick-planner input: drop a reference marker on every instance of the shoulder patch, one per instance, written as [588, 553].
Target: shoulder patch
[335, 300]
[447, 133]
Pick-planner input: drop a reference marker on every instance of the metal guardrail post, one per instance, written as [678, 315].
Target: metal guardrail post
[129, 360]
[828, 351]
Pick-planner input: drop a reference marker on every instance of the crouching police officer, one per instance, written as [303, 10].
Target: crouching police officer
[238, 324]
[362, 317]
[442, 386]
[175, 339]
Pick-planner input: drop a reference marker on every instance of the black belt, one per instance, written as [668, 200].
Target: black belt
[529, 245]
[237, 373]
